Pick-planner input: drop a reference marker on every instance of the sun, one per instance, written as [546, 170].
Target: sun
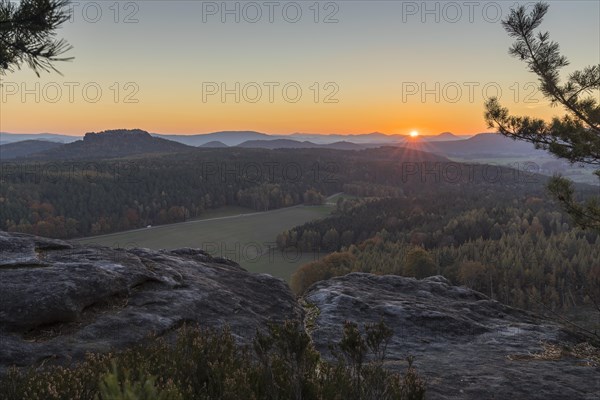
[414, 134]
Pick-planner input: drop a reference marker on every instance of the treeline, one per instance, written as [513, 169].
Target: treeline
[77, 207]
[70, 199]
[77, 198]
[523, 252]
[528, 270]
[449, 217]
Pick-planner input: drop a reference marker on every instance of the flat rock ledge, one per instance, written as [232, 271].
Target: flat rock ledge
[465, 345]
[59, 300]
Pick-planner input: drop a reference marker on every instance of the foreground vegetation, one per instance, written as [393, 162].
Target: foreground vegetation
[208, 364]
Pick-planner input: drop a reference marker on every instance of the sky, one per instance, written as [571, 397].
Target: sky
[347, 67]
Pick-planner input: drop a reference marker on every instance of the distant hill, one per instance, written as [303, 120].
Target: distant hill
[374, 138]
[295, 144]
[114, 144]
[481, 145]
[278, 144]
[361, 138]
[444, 136]
[214, 145]
[25, 148]
[229, 138]
[6, 137]
[344, 145]
[493, 142]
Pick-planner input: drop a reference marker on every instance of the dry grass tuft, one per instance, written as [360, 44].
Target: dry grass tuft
[587, 353]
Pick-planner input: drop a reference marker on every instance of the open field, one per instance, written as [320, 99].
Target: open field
[226, 211]
[245, 237]
[332, 200]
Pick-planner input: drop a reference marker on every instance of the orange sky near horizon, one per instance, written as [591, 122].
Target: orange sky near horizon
[169, 67]
[285, 118]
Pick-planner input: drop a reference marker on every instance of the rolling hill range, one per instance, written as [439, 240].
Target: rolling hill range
[445, 136]
[122, 143]
[25, 148]
[484, 144]
[278, 144]
[294, 144]
[6, 137]
[249, 138]
[229, 138]
[235, 138]
[373, 138]
[215, 144]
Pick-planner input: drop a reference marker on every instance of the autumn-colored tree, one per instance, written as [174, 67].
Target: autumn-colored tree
[475, 275]
[419, 264]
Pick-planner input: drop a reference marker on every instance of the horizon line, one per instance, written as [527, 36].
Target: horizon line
[249, 131]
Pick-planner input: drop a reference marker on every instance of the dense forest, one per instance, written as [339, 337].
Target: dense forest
[514, 247]
[75, 198]
[66, 199]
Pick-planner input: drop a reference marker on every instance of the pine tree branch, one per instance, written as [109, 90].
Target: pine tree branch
[546, 74]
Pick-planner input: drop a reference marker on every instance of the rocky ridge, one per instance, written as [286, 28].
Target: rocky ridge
[466, 345]
[59, 300]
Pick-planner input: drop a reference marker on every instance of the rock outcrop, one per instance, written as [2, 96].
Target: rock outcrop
[465, 345]
[59, 300]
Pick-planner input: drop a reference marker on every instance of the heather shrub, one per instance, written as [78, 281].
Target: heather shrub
[203, 364]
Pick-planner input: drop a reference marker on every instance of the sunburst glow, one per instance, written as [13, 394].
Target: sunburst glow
[414, 134]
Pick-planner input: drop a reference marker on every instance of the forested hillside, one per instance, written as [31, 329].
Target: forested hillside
[514, 246]
[65, 199]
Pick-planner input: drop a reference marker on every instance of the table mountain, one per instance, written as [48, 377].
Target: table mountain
[113, 144]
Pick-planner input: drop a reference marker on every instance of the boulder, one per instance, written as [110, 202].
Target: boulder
[465, 345]
[59, 300]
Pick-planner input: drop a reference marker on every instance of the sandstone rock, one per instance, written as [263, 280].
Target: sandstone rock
[466, 345]
[59, 300]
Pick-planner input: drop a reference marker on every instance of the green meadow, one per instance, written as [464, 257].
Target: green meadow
[243, 235]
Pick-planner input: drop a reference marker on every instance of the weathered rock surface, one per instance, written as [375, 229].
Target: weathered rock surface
[466, 345]
[59, 300]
